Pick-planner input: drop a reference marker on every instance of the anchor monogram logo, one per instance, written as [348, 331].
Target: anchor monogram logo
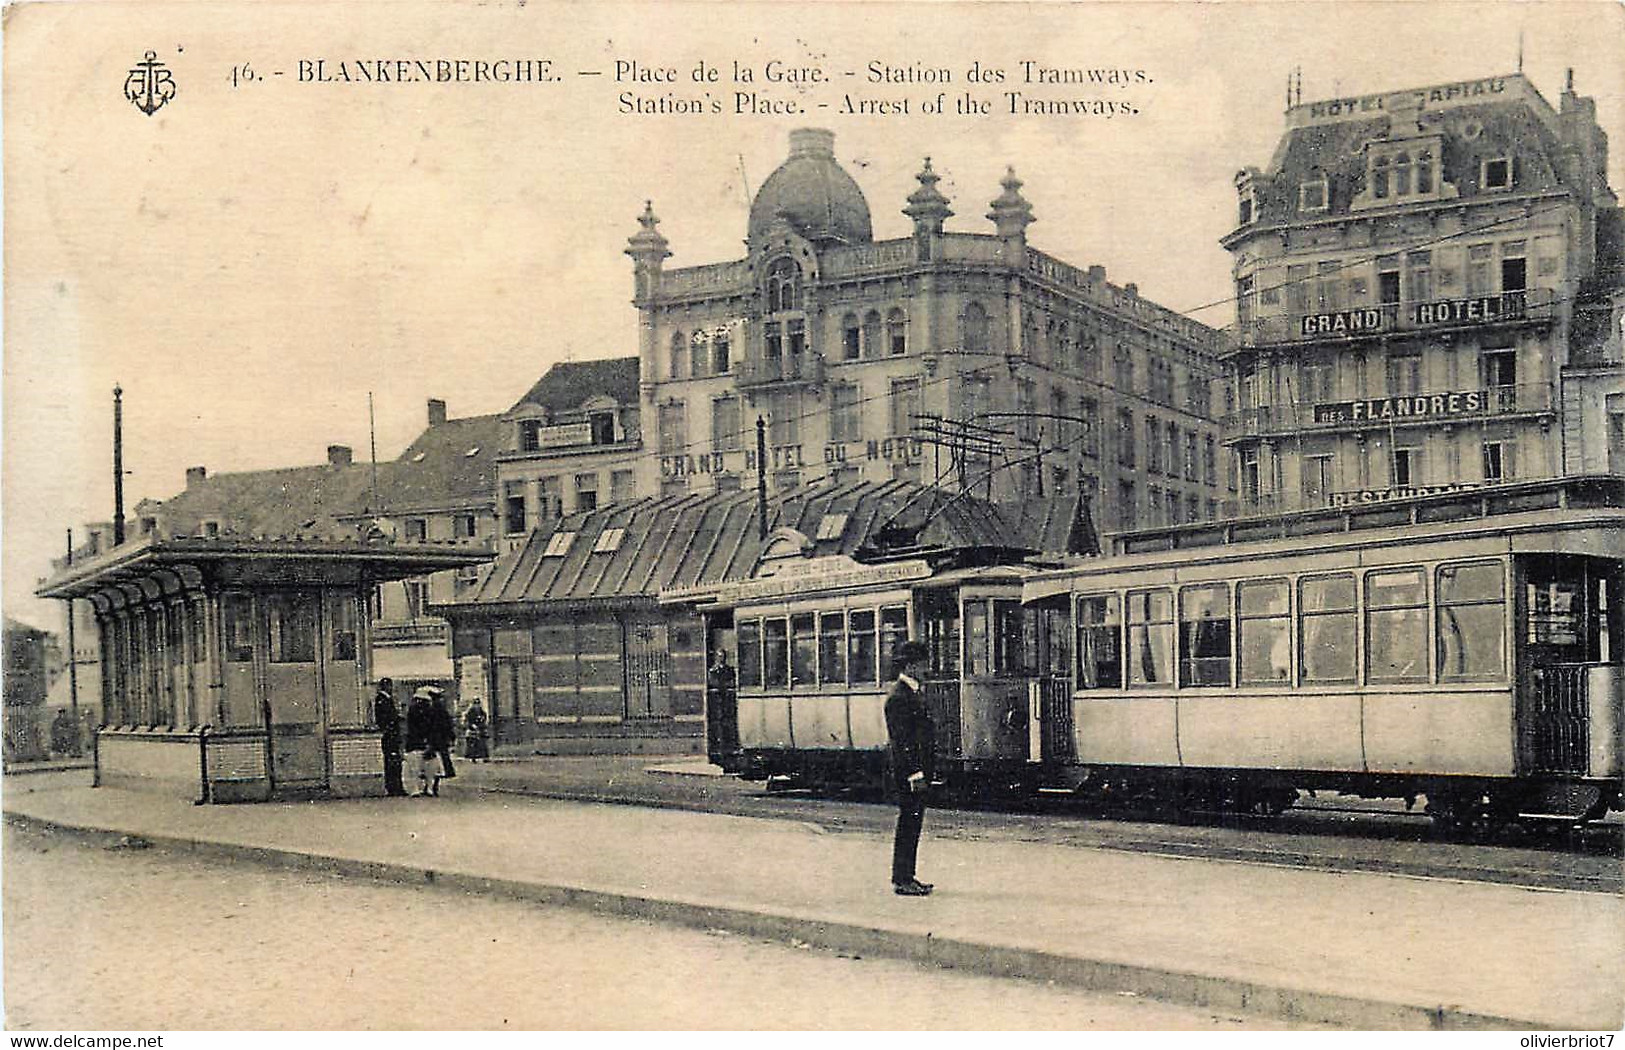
[150, 84]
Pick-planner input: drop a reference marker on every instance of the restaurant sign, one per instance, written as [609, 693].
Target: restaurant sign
[1397, 409]
[1362, 497]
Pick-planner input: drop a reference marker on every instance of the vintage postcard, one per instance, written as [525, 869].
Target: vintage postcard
[814, 515]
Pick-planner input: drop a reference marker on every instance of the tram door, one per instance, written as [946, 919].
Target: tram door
[1570, 622]
[293, 689]
[1052, 682]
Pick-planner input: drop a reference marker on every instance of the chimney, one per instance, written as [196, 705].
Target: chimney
[1132, 290]
[195, 475]
[437, 411]
[338, 455]
[1097, 275]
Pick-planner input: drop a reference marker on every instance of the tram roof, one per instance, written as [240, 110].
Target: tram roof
[1534, 516]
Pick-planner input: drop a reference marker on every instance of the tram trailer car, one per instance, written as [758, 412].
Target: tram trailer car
[1476, 662]
[814, 665]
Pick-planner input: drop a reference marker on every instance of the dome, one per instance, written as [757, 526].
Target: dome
[813, 192]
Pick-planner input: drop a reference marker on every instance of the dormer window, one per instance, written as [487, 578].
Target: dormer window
[783, 286]
[1247, 198]
[1495, 173]
[1312, 195]
[603, 427]
[1245, 213]
[558, 545]
[530, 435]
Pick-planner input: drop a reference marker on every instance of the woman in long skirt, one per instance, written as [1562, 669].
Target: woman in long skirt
[476, 724]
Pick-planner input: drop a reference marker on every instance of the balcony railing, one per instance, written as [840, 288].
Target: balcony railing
[1382, 319]
[799, 368]
[410, 632]
[1383, 412]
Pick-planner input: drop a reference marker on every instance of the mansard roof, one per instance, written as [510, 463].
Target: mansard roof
[570, 384]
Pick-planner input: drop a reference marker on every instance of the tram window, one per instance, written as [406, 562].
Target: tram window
[1265, 636]
[893, 630]
[239, 617]
[1204, 635]
[1396, 626]
[1010, 642]
[1326, 625]
[1150, 637]
[942, 641]
[976, 639]
[776, 652]
[1100, 653]
[832, 648]
[1554, 612]
[860, 646]
[1472, 622]
[749, 641]
[803, 649]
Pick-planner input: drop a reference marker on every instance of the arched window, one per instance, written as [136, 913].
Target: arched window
[679, 355]
[1402, 174]
[783, 286]
[1379, 178]
[896, 333]
[1424, 172]
[973, 329]
[850, 338]
[871, 334]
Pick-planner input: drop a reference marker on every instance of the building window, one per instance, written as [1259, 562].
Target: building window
[1495, 173]
[973, 329]
[467, 526]
[1407, 467]
[550, 500]
[1329, 285]
[1123, 366]
[905, 405]
[1210, 460]
[1317, 479]
[1297, 288]
[721, 352]
[1404, 373]
[851, 338]
[1379, 177]
[726, 433]
[1089, 409]
[603, 427]
[530, 435]
[1172, 498]
[784, 418]
[621, 486]
[773, 347]
[1249, 475]
[673, 426]
[1500, 460]
[1419, 275]
[1153, 447]
[211, 530]
[1125, 503]
[1478, 269]
[417, 530]
[896, 333]
[785, 480]
[871, 334]
[845, 413]
[679, 355]
[1244, 213]
[1424, 172]
[1153, 504]
[1514, 267]
[513, 499]
[1312, 195]
[783, 286]
[1244, 299]
[1499, 367]
[1125, 438]
[417, 598]
[1193, 469]
[699, 353]
[586, 493]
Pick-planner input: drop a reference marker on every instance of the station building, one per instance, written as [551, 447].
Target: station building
[1428, 297]
[968, 360]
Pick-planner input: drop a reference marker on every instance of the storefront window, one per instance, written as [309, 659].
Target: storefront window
[1396, 626]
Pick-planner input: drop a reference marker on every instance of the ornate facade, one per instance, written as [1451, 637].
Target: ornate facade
[1428, 298]
[968, 360]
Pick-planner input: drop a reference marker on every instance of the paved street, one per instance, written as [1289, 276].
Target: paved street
[286, 950]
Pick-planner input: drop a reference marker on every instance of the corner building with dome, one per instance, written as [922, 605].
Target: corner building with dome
[968, 360]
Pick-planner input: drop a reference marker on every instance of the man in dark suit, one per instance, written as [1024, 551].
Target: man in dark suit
[912, 736]
[387, 717]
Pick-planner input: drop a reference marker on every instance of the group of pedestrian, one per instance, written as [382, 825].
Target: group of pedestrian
[427, 734]
[430, 733]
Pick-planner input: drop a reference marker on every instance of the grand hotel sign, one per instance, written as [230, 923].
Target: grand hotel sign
[1478, 309]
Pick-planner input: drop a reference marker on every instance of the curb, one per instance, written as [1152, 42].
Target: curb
[1183, 988]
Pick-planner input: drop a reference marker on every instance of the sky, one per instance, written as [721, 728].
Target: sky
[253, 259]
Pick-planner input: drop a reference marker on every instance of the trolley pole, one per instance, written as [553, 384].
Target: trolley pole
[73, 664]
[761, 478]
[118, 466]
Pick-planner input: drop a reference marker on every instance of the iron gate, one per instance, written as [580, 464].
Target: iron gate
[1055, 712]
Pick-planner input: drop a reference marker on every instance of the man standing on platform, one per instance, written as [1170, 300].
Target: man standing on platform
[912, 736]
[387, 717]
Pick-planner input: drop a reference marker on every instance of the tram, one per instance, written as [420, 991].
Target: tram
[1469, 649]
[1475, 659]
